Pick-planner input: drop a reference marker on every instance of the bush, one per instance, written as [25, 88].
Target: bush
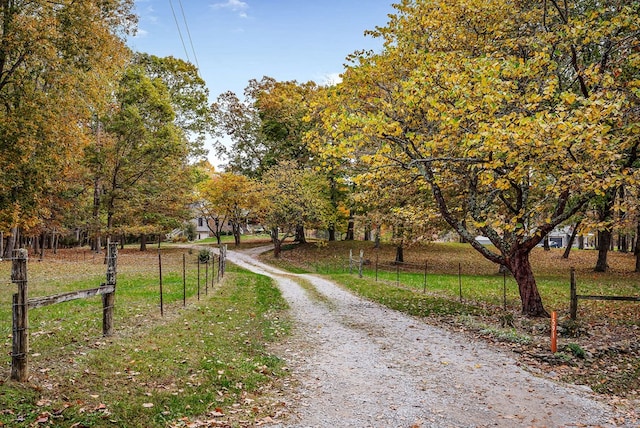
[204, 256]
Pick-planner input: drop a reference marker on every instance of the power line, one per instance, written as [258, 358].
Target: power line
[175, 18]
[189, 34]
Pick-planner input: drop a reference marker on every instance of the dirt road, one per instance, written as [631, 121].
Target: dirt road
[358, 364]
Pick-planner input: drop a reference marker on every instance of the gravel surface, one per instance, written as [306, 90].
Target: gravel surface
[358, 364]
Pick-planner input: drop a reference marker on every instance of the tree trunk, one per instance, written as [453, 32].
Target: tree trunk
[399, 254]
[11, 243]
[636, 248]
[604, 242]
[350, 228]
[572, 238]
[332, 233]
[367, 232]
[143, 242]
[520, 267]
[236, 233]
[43, 242]
[277, 244]
[376, 239]
[300, 236]
[546, 243]
[581, 242]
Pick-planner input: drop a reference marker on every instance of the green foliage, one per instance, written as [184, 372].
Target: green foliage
[509, 335]
[576, 350]
[204, 256]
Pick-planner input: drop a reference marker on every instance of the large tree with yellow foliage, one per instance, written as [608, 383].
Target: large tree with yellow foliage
[516, 114]
[57, 60]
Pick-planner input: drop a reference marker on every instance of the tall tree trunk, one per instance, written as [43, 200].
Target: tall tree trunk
[604, 242]
[236, 234]
[143, 242]
[332, 232]
[350, 228]
[11, 242]
[300, 235]
[572, 238]
[367, 231]
[546, 243]
[43, 242]
[377, 238]
[277, 244]
[520, 267]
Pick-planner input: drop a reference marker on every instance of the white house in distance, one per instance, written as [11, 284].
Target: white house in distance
[202, 230]
[558, 238]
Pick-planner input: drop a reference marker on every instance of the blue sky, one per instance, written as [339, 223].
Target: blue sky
[238, 40]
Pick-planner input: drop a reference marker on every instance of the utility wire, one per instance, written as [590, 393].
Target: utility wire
[175, 18]
[189, 34]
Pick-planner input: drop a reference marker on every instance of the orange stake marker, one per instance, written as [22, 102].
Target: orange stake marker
[554, 332]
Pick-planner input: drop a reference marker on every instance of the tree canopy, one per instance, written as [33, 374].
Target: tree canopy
[515, 114]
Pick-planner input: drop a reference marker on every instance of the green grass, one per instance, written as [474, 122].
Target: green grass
[479, 282]
[210, 355]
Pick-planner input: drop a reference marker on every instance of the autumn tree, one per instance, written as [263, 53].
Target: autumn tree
[141, 152]
[399, 201]
[485, 102]
[293, 196]
[57, 60]
[240, 121]
[227, 198]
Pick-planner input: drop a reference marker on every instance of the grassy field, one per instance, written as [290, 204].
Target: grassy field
[209, 360]
[203, 360]
[452, 267]
[599, 350]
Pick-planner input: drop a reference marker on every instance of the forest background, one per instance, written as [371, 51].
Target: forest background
[498, 119]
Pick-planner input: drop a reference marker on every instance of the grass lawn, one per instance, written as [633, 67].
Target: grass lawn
[207, 359]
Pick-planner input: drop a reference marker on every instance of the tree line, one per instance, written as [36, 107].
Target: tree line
[501, 119]
[96, 141]
[494, 118]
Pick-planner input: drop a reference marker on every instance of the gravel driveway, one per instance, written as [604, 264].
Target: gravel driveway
[358, 364]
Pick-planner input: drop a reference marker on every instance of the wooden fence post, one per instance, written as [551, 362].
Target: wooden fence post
[108, 300]
[573, 309]
[360, 263]
[160, 274]
[19, 355]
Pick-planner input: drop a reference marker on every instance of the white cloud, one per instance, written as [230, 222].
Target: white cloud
[234, 6]
[140, 33]
[331, 79]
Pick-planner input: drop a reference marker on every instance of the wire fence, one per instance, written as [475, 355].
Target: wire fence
[450, 279]
[164, 279]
